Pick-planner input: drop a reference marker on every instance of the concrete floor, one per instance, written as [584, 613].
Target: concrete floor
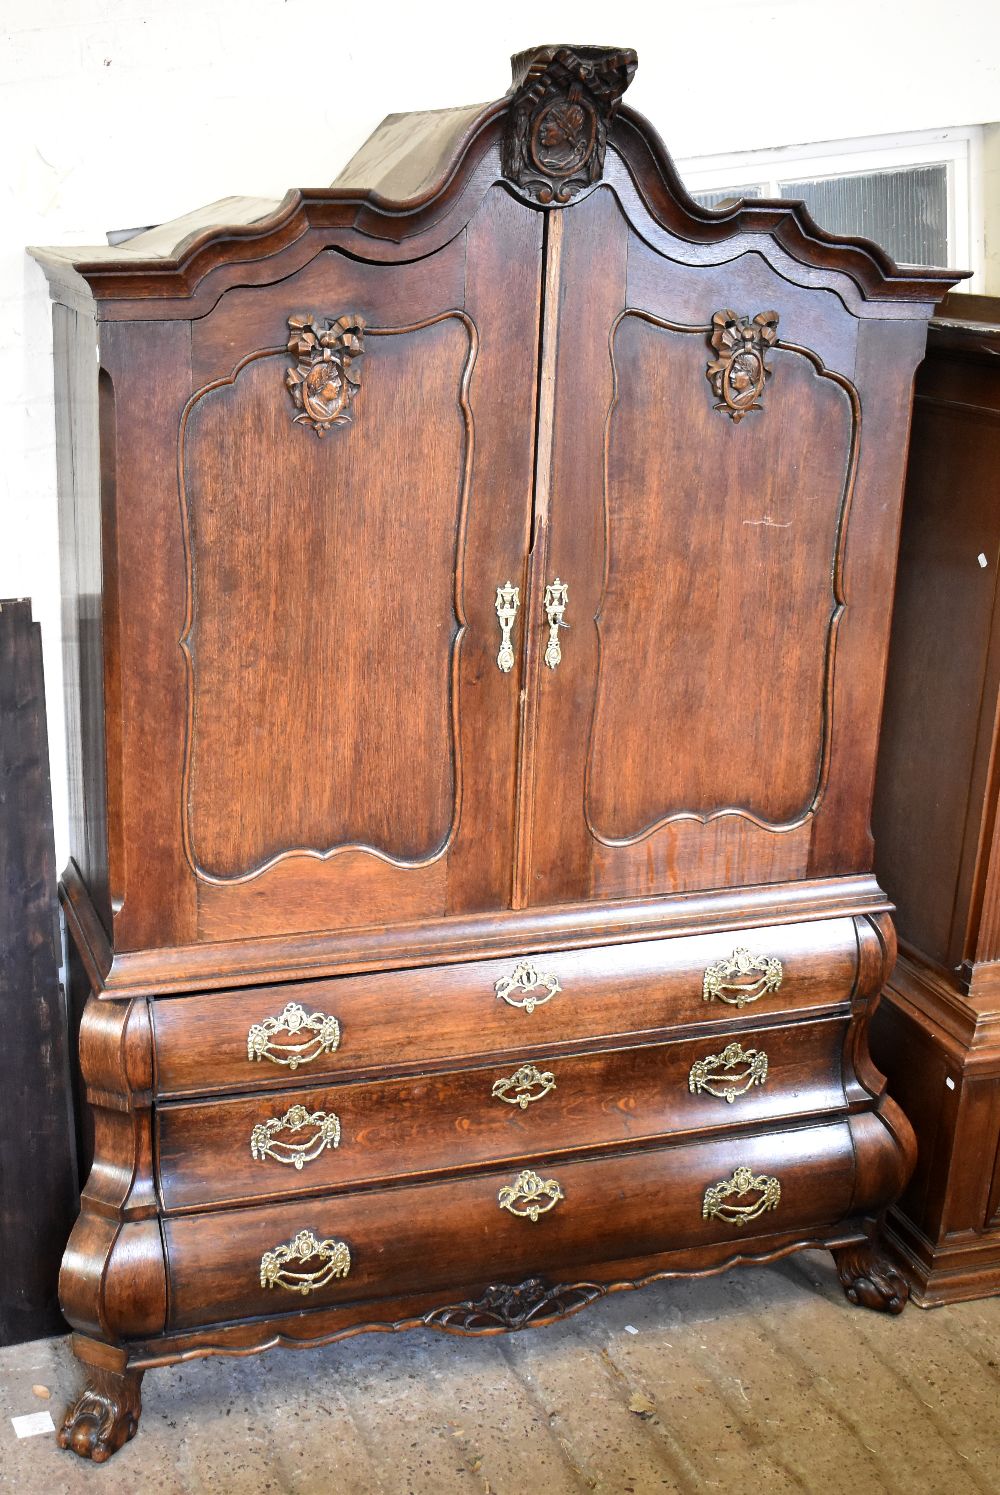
[761, 1380]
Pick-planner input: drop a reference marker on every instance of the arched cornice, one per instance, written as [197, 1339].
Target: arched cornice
[420, 177]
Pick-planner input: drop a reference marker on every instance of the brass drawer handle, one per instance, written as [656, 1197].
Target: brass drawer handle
[528, 978]
[718, 1197]
[556, 598]
[265, 1142]
[325, 1031]
[525, 1085]
[730, 1073]
[507, 603]
[529, 1196]
[764, 973]
[334, 1258]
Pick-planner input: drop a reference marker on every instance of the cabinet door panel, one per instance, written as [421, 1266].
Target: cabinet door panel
[326, 596]
[686, 738]
[350, 744]
[721, 594]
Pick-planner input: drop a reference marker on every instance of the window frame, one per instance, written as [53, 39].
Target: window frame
[959, 148]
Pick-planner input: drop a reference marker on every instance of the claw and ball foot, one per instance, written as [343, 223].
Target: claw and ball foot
[104, 1416]
[869, 1278]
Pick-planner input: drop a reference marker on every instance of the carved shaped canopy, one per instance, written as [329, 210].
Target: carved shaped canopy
[563, 101]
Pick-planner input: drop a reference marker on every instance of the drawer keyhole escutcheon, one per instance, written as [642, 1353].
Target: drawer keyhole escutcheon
[728, 1074]
[527, 978]
[277, 1265]
[529, 1196]
[266, 1142]
[323, 1037]
[721, 1199]
[742, 978]
[525, 1085]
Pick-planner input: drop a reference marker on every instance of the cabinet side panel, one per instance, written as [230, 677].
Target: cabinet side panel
[79, 480]
[938, 660]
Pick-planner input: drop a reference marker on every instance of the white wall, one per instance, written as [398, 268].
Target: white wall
[125, 113]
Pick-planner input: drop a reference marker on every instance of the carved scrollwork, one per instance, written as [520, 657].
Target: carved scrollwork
[738, 372]
[327, 375]
[742, 978]
[333, 1257]
[510, 1307]
[266, 1141]
[557, 127]
[730, 1073]
[721, 1199]
[323, 1029]
[869, 1278]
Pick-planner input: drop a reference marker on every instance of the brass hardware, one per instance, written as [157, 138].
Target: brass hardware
[730, 1073]
[526, 977]
[525, 1085]
[507, 603]
[265, 1143]
[556, 598]
[334, 1255]
[718, 982]
[743, 1181]
[528, 1190]
[294, 1019]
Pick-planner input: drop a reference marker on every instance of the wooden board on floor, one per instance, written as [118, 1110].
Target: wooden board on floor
[37, 1165]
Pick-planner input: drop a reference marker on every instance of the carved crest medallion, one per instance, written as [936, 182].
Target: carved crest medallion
[557, 128]
[738, 372]
[327, 375]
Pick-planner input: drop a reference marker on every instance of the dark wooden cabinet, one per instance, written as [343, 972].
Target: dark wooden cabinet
[482, 581]
[937, 1034]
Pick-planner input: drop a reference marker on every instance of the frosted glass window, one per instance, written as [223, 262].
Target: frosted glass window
[906, 211]
[712, 199]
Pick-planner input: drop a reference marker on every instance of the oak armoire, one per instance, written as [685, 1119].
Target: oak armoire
[478, 588]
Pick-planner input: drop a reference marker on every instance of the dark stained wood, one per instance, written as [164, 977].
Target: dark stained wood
[214, 1261]
[415, 1126]
[37, 1164]
[505, 351]
[937, 1034]
[398, 1020]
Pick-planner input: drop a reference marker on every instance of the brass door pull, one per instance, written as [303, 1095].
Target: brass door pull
[720, 1198]
[507, 603]
[526, 977]
[334, 1260]
[265, 1141]
[529, 1196]
[323, 1037]
[525, 1085]
[728, 1074]
[556, 599]
[742, 978]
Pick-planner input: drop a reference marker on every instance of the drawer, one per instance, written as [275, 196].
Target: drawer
[399, 1020]
[420, 1237]
[263, 1146]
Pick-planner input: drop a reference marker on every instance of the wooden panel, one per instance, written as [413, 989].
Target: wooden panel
[710, 524]
[214, 1261]
[623, 805]
[395, 1020]
[37, 1165]
[319, 579]
[82, 487]
[454, 1120]
[935, 714]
